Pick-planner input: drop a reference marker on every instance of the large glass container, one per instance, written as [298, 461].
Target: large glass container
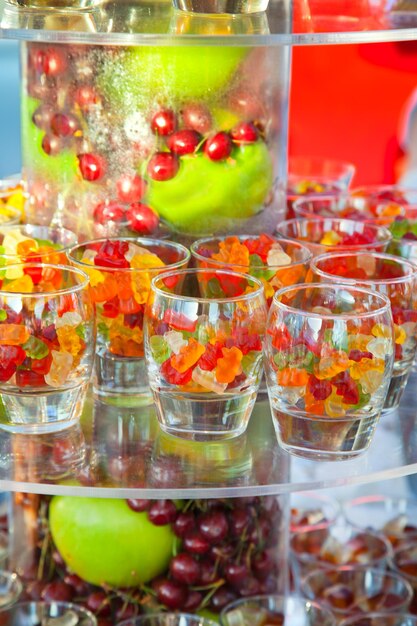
[189, 139]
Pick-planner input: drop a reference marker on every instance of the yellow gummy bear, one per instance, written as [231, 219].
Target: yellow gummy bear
[400, 335]
[69, 341]
[96, 277]
[21, 284]
[382, 330]
[333, 405]
[331, 238]
[358, 369]
[150, 260]
[141, 285]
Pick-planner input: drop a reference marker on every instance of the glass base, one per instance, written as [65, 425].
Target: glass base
[56, 5]
[208, 418]
[221, 6]
[324, 439]
[395, 392]
[37, 413]
[121, 380]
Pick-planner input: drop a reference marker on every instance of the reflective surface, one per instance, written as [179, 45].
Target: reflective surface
[120, 452]
[156, 22]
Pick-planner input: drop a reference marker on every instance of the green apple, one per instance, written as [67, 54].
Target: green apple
[208, 196]
[60, 167]
[104, 541]
[171, 74]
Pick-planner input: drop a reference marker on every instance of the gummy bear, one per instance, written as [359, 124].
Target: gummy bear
[210, 357]
[28, 378]
[60, 370]
[290, 377]
[172, 375]
[69, 340]
[207, 379]
[319, 389]
[112, 255]
[187, 356]
[13, 334]
[179, 321]
[332, 365]
[229, 365]
[175, 340]
[232, 252]
[35, 348]
[160, 348]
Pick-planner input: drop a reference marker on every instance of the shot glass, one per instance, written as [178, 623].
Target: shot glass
[34, 244]
[332, 234]
[47, 334]
[351, 590]
[316, 176]
[393, 277]
[312, 510]
[337, 546]
[326, 394]
[395, 517]
[168, 619]
[404, 562]
[345, 206]
[404, 197]
[10, 588]
[276, 262]
[272, 609]
[380, 619]
[220, 7]
[120, 272]
[35, 613]
[203, 342]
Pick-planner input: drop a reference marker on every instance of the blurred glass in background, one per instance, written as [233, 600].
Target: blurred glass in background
[10, 159]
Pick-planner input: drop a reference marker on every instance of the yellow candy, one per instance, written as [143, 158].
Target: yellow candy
[69, 341]
[62, 363]
[333, 405]
[400, 334]
[13, 334]
[94, 275]
[380, 347]
[371, 381]
[358, 369]
[382, 330]
[21, 284]
[269, 290]
[330, 238]
[358, 341]
[146, 261]
[141, 285]
[332, 365]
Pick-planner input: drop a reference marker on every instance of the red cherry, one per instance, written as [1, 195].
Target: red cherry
[51, 145]
[130, 188]
[108, 211]
[164, 122]
[63, 125]
[92, 167]
[53, 62]
[42, 116]
[244, 132]
[163, 166]
[142, 219]
[183, 142]
[86, 96]
[197, 117]
[218, 147]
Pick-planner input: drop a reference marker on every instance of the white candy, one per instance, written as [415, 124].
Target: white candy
[175, 341]
[277, 256]
[70, 318]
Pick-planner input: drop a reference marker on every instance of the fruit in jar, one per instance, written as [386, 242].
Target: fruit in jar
[232, 190]
[178, 73]
[105, 541]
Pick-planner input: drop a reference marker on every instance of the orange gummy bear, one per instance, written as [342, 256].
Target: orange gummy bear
[229, 366]
[291, 377]
[233, 252]
[187, 356]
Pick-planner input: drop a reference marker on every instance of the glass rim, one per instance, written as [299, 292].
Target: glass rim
[145, 240]
[42, 294]
[203, 240]
[275, 596]
[11, 227]
[335, 197]
[170, 614]
[260, 291]
[55, 603]
[354, 619]
[333, 286]
[318, 220]
[319, 159]
[367, 281]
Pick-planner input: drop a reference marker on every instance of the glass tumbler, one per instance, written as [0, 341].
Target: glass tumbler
[276, 262]
[278, 610]
[332, 234]
[352, 590]
[120, 272]
[393, 277]
[167, 619]
[380, 619]
[326, 395]
[35, 613]
[47, 335]
[315, 176]
[203, 343]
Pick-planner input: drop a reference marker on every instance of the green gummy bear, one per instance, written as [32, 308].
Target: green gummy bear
[208, 196]
[173, 74]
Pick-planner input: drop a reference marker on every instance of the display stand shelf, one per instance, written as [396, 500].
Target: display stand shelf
[129, 22]
[120, 452]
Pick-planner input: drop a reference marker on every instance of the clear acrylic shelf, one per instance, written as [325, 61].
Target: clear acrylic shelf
[120, 452]
[154, 22]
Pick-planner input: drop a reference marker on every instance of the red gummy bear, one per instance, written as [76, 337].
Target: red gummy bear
[174, 377]
[112, 254]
